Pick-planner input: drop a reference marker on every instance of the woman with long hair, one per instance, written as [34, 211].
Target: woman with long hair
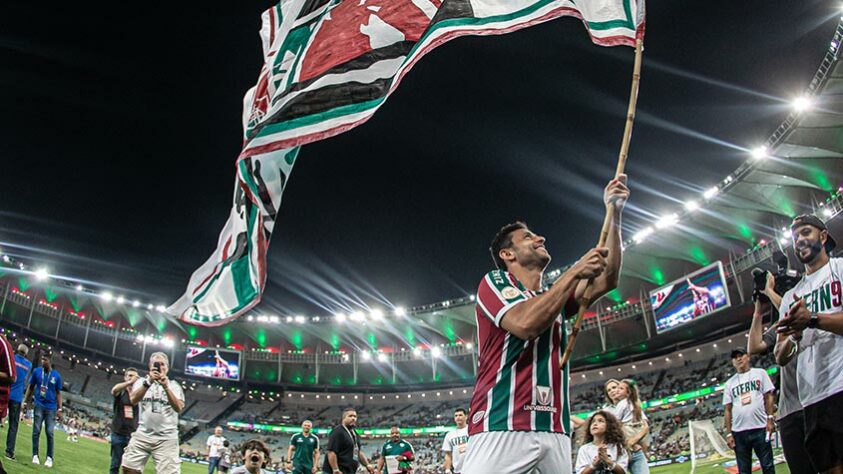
[604, 450]
[635, 425]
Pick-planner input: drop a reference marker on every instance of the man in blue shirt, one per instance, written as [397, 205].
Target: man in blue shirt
[45, 386]
[23, 366]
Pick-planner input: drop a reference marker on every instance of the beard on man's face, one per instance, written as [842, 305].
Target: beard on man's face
[814, 247]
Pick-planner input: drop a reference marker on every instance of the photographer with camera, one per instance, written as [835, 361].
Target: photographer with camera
[811, 333]
[255, 457]
[789, 414]
[161, 401]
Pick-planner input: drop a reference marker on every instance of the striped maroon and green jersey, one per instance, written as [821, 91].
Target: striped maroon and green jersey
[520, 385]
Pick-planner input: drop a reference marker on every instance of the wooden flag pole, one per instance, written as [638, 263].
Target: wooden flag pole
[610, 213]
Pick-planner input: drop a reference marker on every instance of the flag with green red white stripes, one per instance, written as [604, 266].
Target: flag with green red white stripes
[328, 66]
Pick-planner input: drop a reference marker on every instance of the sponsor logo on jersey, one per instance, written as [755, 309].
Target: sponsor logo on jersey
[478, 417]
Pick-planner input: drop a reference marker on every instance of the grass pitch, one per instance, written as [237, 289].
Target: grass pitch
[85, 457]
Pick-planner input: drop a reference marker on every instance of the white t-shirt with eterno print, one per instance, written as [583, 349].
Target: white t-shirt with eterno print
[745, 392]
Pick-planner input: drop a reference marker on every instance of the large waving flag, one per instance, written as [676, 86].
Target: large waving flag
[328, 66]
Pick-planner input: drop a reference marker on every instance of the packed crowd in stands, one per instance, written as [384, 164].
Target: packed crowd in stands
[88, 406]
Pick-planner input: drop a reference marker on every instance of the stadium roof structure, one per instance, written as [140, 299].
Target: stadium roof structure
[740, 222]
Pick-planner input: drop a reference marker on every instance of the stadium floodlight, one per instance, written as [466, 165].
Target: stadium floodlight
[106, 296]
[7, 259]
[828, 212]
[250, 318]
[417, 352]
[760, 152]
[711, 192]
[41, 274]
[642, 234]
[340, 317]
[21, 266]
[436, 352]
[472, 297]
[381, 357]
[316, 319]
[376, 315]
[300, 319]
[168, 342]
[366, 355]
[150, 306]
[121, 299]
[139, 338]
[400, 311]
[357, 316]
[692, 206]
[667, 221]
[289, 319]
[135, 304]
[80, 288]
[160, 308]
[784, 240]
[802, 104]
[469, 345]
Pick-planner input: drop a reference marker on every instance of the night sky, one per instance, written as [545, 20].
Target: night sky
[119, 129]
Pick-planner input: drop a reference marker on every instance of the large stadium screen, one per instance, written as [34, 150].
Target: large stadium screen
[212, 363]
[694, 296]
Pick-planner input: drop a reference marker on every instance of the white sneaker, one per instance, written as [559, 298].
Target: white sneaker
[35, 460]
[48, 462]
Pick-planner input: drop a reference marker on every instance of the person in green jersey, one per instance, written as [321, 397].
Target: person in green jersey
[303, 453]
[397, 455]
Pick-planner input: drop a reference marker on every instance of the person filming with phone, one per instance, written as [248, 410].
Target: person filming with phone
[161, 400]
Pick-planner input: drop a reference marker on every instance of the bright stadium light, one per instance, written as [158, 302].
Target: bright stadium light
[160, 308]
[366, 356]
[802, 104]
[340, 317]
[472, 297]
[106, 296]
[7, 259]
[381, 357]
[417, 352]
[289, 319]
[80, 288]
[376, 315]
[135, 304]
[692, 206]
[150, 306]
[469, 345]
[41, 274]
[300, 319]
[759, 153]
[139, 338]
[357, 316]
[400, 311]
[642, 234]
[828, 212]
[711, 192]
[121, 299]
[436, 352]
[667, 221]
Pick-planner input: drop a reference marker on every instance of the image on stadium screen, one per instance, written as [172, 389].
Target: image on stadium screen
[691, 297]
[213, 363]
